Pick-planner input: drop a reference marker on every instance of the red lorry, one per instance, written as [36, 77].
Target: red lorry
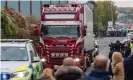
[66, 31]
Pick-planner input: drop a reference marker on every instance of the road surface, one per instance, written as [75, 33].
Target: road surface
[103, 47]
[104, 42]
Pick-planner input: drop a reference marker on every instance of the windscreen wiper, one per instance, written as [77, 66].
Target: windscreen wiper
[63, 36]
[13, 60]
[5, 60]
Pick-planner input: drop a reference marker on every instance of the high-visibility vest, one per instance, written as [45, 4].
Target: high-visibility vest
[131, 45]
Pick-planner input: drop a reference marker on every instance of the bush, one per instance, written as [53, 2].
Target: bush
[8, 28]
[15, 25]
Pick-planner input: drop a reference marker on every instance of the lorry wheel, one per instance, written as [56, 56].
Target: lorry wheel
[93, 56]
[88, 62]
[85, 65]
[96, 54]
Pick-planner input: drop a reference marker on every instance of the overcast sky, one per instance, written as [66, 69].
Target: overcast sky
[119, 3]
[122, 3]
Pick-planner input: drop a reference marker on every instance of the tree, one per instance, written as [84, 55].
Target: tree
[103, 13]
[15, 25]
[8, 28]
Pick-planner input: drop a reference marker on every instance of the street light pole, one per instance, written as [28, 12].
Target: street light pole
[112, 13]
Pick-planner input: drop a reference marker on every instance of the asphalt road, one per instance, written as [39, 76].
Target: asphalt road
[104, 42]
[103, 47]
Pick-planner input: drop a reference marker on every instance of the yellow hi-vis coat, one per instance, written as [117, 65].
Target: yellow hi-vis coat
[131, 45]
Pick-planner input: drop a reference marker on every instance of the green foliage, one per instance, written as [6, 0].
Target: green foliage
[33, 19]
[14, 25]
[8, 28]
[103, 13]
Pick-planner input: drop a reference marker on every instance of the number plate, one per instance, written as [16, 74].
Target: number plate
[59, 54]
[59, 45]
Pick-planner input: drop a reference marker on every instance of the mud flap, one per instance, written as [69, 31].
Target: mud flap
[88, 61]
[90, 57]
[85, 63]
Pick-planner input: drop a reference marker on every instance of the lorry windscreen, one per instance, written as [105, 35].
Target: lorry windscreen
[13, 53]
[60, 31]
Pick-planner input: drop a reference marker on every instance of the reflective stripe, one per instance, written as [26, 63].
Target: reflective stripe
[34, 67]
[36, 70]
[131, 45]
[39, 70]
[31, 67]
[22, 67]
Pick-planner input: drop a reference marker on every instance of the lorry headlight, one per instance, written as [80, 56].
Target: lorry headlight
[21, 74]
[43, 60]
[47, 45]
[77, 59]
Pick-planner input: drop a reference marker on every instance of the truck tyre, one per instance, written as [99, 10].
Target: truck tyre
[90, 58]
[88, 61]
[96, 53]
[85, 65]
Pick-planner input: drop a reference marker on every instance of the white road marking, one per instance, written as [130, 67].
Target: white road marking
[105, 50]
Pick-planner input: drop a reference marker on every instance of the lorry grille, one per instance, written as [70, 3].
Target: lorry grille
[56, 61]
[60, 42]
[59, 49]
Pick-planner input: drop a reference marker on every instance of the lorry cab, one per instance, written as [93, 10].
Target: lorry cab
[65, 30]
[19, 60]
[60, 28]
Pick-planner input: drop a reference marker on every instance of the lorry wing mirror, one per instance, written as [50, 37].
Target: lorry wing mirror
[84, 30]
[96, 46]
[41, 34]
[36, 30]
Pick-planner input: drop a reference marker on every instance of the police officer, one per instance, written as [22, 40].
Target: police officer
[131, 44]
[117, 46]
[112, 49]
[111, 45]
[122, 46]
